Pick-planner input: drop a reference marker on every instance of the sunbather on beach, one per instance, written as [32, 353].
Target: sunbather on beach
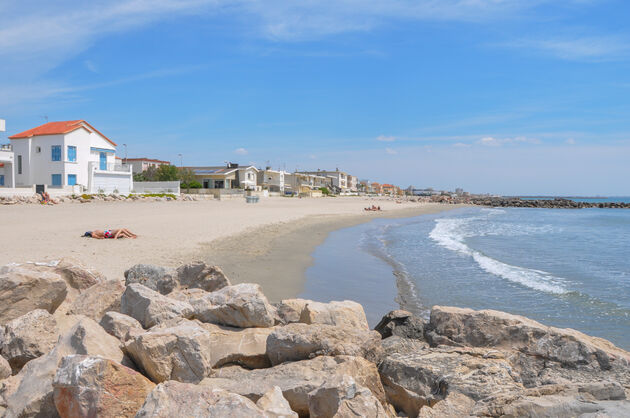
[110, 233]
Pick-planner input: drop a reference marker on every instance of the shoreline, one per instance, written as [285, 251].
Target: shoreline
[291, 246]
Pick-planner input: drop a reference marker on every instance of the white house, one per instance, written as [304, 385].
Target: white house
[7, 178]
[230, 176]
[338, 178]
[69, 154]
[272, 180]
[138, 165]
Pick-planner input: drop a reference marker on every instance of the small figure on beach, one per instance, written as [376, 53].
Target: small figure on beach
[110, 234]
[46, 200]
[373, 208]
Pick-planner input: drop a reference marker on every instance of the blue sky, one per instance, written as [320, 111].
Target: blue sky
[501, 96]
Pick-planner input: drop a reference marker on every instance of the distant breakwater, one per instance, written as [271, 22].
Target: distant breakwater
[545, 203]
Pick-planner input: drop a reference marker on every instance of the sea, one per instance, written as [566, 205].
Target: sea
[562, 267]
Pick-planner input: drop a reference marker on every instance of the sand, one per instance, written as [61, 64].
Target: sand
[268, 243]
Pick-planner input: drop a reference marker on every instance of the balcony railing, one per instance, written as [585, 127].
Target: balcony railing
[110, 167]
[6, 147]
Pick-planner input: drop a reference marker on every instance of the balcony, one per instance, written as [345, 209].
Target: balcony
[111, 167]
[6, 147]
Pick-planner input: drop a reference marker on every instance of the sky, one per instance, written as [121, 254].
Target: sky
[496, 96]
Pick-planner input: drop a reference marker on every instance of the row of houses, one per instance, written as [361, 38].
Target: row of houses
[74, 157]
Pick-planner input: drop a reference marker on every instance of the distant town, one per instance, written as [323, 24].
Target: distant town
[73, 157]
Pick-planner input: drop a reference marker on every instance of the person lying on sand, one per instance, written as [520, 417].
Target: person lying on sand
[110, 233]
[46, 199]
[373, 208]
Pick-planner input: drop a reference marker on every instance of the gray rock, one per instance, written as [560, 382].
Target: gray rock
[150, 307]
[175, 399]
[296, 379]
[344, 314]
[274, 405]
[5, 369]
[402, 324]
[242, 306]
[302, 341]
[159, 279]
[340, 397]
[121, 326]
[28, 337]
[23, 290]
[202, 276]
[98, 299]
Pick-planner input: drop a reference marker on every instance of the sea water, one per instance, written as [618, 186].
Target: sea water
[565, 268]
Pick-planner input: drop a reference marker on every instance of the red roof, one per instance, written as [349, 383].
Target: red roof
[57, 128]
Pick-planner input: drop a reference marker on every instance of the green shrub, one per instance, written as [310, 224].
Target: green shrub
[324, 191]
[192, 185]
[160, 195]
[86, 196]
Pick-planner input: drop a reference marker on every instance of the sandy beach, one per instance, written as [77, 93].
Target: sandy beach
[268, 243]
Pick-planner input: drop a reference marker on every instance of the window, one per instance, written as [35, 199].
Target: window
[72, 179]
[1, 179]
[38, 149]
[72, 154]
[19, 164]
[56, 179]
[56, 152]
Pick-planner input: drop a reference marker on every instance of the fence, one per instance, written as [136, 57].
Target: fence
[143, 187]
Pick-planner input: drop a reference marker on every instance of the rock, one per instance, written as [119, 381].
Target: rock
[33, 395]
[121, 326]
[342, 397]
[24, 290]
[344, 314]
[179, 353]
[274, 405]
[5, 369]
[242, 305]
[156, 278]
[202, 276]
[150, 307]
[290, 310]
[88, 386]
[175, 399]
[488, 328]
[455, 405]
[77, 275]
[98, 299]
[188, 350]
[301, 341]
[402, 324]
[296, 379]
[416, 379]
[28, 337]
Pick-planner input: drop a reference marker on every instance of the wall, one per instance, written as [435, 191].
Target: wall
[156, 187]
[106, 182]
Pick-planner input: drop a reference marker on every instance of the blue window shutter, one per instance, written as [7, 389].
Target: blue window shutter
[56, 179]
[1, 179]
[56, 152]
[72, 153]
[72, 179]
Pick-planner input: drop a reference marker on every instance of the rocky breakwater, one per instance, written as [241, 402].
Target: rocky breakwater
[504, 202]
[186, 342]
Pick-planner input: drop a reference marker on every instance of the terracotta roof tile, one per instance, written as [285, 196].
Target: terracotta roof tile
[57, 128]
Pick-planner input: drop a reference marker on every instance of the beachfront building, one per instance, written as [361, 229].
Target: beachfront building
[70, 155]
[353, 182]
[230, 176]
[139, 165]
[376, 188]
[304, 184]
[388, 189]
[339, 179]
[272, 180]
[7, 166]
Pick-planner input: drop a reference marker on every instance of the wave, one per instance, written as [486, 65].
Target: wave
[451, 233]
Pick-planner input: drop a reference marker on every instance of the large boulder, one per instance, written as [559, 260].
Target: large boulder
[401, 324]
[28, 337]
[33, 392]
[296, 379]
[202, 276]
[150, 307]
[23, 290]
[159, 279]
[77, 275]
[175, 399]
[179, 353]
[121, 326]
[422, 378]
[488, 328]
[274, 405]
[242, 305]
[290, 310]
[344, 314]
[235, 346]
[89, 386]
[5, 369]
[98, 299]
[301, 341]
[340, 396]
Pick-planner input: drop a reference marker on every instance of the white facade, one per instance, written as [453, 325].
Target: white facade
[139, 165]
[272, 180]
[82, 157]
[338, 178]
[248, 177]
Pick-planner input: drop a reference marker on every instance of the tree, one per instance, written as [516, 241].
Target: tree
[167, 173]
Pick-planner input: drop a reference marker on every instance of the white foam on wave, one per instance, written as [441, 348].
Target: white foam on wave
[450, 233]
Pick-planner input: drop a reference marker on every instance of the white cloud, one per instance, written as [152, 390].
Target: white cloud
[90, 66]
[461, 145]
[240, 151]
[497, 142]
[585, 48]
[385, 138]
[391, 151]
[570, 141]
